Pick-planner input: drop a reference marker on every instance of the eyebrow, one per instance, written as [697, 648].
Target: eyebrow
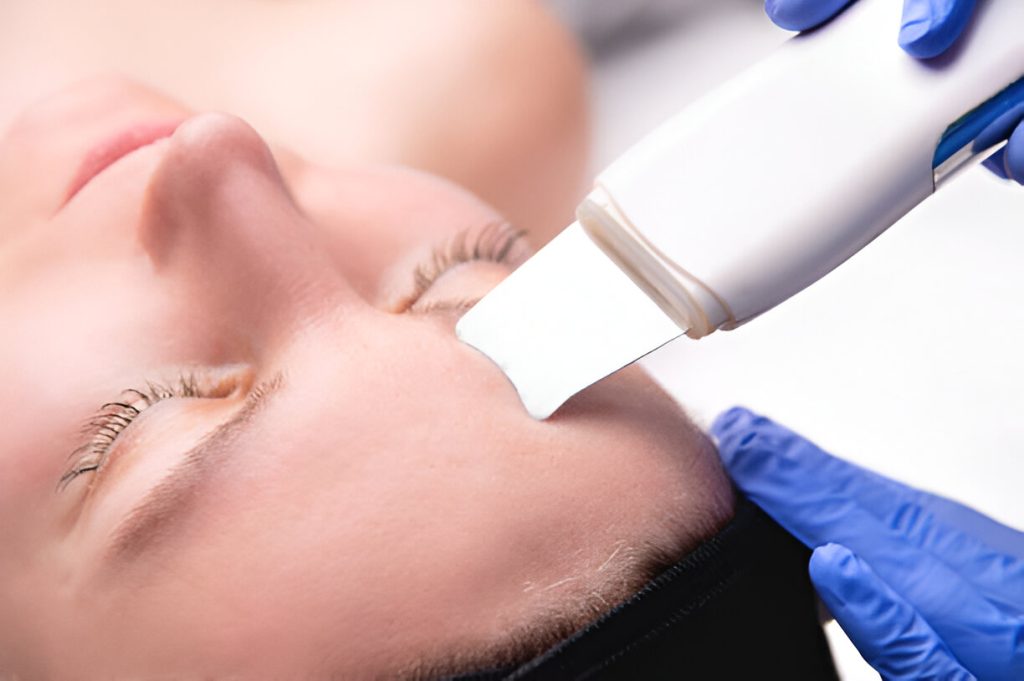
[169, 501]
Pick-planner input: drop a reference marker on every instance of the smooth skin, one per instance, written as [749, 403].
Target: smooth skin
[489, 95]
[385, 503]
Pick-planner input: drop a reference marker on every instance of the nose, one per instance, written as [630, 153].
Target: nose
[219, 218]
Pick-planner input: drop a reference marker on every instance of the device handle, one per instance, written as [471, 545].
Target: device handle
[781, 174]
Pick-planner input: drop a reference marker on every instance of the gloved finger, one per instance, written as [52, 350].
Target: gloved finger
[791, 476]
[1000, 129]
[1008, 162]
[996, 163]
[930, 27]
[779, 471]
[1015, 155]
[750, 444]
[996, 575]
[986, 638]
[993, 534]
[890, 635]
[800, 15]
[820, 498]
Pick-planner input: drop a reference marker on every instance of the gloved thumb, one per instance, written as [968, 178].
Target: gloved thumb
[888, 632]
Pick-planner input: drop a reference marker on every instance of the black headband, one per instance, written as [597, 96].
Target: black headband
[740, 606]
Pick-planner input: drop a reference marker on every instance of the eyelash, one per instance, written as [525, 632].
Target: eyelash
[494, 243]
[103, 429]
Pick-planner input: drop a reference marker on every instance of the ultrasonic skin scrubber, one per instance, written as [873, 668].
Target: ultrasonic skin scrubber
[750, 195]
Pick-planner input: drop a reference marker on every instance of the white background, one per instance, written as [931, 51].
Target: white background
[908, 359]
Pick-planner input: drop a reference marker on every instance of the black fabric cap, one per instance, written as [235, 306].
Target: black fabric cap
[740, 606]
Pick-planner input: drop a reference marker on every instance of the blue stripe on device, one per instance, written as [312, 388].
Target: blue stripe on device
[967, 129]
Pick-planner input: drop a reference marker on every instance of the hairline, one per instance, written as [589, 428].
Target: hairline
[567, 614]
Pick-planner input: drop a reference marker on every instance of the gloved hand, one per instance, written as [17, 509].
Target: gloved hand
[925, 588]
[929, 28]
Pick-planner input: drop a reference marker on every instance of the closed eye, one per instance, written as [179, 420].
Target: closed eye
[498, 242]
[104, 428]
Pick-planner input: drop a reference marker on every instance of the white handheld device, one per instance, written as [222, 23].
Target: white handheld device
[750, 195]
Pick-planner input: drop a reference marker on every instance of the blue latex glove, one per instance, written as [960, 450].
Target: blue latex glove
[929, 28]
[1008, 162]
[923, 586]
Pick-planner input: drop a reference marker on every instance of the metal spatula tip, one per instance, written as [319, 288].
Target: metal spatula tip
[564, 320]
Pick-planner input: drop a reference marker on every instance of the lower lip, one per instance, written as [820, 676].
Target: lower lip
[115, 147]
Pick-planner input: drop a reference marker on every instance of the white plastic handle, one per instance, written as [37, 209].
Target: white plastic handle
[766, 185]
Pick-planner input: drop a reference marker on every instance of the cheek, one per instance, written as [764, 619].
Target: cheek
[54, 365]
[396, 497]
[368, 485]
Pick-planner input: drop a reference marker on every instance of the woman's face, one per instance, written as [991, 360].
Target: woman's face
[242, 435]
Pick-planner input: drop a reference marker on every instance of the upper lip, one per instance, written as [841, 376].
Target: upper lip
[116, 146]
